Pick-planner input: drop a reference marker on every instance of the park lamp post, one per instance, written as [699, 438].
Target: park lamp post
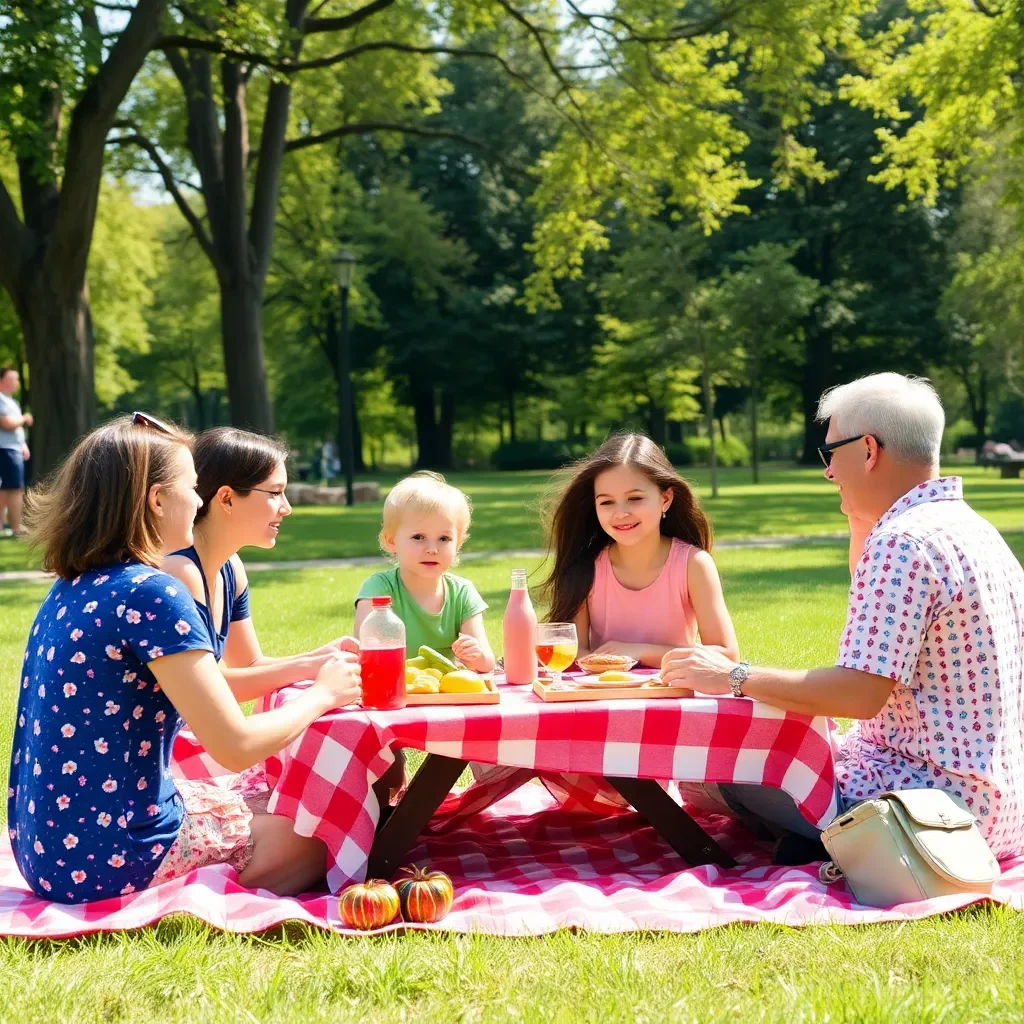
[344, 266]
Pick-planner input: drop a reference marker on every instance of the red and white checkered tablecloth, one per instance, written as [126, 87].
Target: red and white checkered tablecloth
[324, 779]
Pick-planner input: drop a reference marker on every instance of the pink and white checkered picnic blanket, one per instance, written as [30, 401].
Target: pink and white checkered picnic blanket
[323, 781]
[522, 867]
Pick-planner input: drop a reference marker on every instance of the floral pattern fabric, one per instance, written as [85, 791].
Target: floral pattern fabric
[91, 805]
[216, 829]
[937, 606]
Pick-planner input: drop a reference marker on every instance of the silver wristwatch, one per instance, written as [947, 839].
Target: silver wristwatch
[737, 677]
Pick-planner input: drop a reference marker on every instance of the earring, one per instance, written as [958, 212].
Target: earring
[665, 513]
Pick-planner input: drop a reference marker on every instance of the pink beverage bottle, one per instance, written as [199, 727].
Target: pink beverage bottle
[519, 633]
[382, 657]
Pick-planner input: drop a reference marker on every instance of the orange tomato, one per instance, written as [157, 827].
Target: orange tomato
[426, 896]
[368, 905]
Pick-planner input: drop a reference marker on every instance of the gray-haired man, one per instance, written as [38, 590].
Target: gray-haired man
[931, 662]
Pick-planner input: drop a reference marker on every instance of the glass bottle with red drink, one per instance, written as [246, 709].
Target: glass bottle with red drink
[382, 657]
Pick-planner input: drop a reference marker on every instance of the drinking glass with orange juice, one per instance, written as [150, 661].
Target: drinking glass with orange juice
[556, 647]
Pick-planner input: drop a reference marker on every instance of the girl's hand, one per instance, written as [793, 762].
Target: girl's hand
[634, 651]
[468, 650]
[341, 678]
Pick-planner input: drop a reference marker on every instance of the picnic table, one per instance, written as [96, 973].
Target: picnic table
[1009, 461]
[324, 780]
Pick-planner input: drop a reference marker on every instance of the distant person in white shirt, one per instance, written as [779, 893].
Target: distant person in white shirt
[13, 450]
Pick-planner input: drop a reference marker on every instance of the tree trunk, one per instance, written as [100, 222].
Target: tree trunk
[818, 375]
[709, 419]
[44, 253]
[424, 416]
[755, 454]
[57, 331]
[201, 424]
[819, 362]
[656, 423]
[196, 387]
[977, 399]
[511, 419]
[242, 332]
[446, 431]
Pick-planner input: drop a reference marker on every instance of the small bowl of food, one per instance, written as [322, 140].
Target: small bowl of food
[595, 664]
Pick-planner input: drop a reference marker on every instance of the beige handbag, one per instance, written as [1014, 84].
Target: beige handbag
[907, 846]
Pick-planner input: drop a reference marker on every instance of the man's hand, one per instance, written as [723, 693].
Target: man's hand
[25, 453]
[700, 668]
[27, 420]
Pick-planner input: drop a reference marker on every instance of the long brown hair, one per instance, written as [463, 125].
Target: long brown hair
[576, 537]
[239, 459]
[94, 510]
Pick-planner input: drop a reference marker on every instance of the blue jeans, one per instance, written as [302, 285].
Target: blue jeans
[765, 806]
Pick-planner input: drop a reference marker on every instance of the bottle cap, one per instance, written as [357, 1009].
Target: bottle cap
[381, 602]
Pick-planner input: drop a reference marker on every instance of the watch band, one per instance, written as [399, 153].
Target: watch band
[737, 677]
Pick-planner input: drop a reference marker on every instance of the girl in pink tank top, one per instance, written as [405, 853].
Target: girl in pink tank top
[633, 566]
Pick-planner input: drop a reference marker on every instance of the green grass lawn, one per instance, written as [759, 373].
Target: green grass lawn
[508, 512]
[788, 605]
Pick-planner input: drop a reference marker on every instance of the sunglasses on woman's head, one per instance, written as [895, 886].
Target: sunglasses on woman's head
[826, 450]
[143, 419]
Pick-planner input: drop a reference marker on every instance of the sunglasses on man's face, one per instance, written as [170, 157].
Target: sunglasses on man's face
[143, 419]
[826, 450]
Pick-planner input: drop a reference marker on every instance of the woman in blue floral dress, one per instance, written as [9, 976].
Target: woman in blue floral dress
[117, 657]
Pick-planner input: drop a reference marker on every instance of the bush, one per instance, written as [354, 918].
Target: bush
[537, 454]
[1008, 424]
[470, 453]
[780, 442]
[691, 451]
[696, 451]
[960, 434]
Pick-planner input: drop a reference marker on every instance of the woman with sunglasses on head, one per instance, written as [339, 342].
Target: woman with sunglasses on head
[117, 658]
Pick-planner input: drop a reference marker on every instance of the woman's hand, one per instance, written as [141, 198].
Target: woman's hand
[315, 660]
[343, 643]
[705, 669]
[340, 677]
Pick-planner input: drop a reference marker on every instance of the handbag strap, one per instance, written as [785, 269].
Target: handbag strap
[829, 873]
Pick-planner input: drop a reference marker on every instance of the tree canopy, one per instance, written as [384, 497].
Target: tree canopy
[568, 215]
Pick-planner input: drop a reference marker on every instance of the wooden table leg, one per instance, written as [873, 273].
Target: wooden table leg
[429, 786]
[672, 823]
